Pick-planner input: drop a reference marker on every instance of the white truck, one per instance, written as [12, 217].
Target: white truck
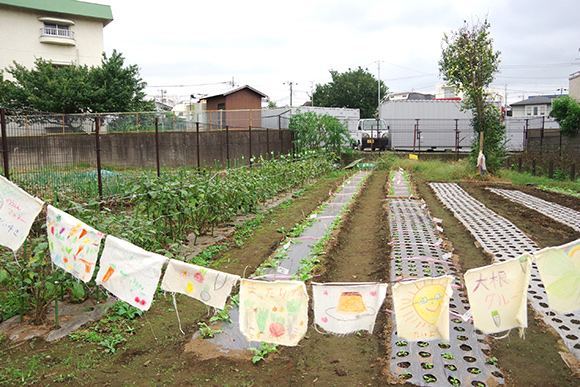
[371, 133]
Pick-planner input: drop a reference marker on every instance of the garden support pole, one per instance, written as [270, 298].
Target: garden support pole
[4, 143]
[157, 146]
[98, 149]
[268, 141]
[572, 172]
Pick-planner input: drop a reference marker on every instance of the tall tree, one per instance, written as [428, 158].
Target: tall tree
[356, 89]
[75, 89]
[469, 63]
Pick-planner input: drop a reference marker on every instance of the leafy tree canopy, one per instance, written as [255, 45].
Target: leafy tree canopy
[355, 89]
[113, 87]
[469, 63]
[566, 111]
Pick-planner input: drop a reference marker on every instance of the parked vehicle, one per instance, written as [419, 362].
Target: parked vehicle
[371, 133]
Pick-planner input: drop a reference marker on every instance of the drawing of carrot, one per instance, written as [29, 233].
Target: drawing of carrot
[109, 273]
[88, 267]
[83, 233]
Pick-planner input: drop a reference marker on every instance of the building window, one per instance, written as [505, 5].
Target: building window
[57, 30]
[535, 110]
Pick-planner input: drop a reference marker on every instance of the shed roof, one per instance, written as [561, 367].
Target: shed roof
[541, 100]
[231, 91]
[69, 7]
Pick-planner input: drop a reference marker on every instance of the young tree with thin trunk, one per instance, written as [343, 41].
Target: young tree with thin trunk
[469, 63]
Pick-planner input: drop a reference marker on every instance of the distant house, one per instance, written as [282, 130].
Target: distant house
[408, 96]
[534, 106]
[64, 32]
[236, 108]
[574, 85]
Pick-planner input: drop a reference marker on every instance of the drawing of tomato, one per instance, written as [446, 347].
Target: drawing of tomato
[198, 277]
[277, 329]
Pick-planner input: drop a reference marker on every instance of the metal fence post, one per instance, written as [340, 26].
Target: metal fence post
[542, 133]
[572, 172]
[228, 145]
[197, 144]
[4, 143]
[456, 139]
[250, 144]
[98, 149]
[268, 141]
[281, 138]
[526, 134]
[419, 136]
[551, 169]
[157, 146]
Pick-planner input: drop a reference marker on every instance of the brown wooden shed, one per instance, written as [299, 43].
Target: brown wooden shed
[236, 108]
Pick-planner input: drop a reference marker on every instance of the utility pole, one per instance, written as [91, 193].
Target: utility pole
[290, 83]
[379, 87]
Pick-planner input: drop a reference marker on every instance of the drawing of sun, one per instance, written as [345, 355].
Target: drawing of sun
[423, 303]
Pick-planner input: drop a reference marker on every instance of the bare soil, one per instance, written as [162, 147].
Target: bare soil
[154, 354]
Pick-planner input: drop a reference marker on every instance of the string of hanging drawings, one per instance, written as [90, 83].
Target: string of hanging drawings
[277, 311]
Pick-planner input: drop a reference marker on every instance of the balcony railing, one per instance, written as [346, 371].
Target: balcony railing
[58, 36]
[59, 32]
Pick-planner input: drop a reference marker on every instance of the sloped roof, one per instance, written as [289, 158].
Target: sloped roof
[69, 7]
[231, 91]
[535, 101]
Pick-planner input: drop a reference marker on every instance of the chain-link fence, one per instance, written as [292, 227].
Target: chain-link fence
[93, 153]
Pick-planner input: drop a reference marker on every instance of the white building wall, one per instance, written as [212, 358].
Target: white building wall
[20, 29]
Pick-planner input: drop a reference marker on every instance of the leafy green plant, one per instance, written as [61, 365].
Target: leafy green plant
[491, 361]
[206, 332]
[122, 309]
[263, 352]
[222, 315]
[110, 343]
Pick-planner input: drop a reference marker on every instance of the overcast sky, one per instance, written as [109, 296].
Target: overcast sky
[192, 47]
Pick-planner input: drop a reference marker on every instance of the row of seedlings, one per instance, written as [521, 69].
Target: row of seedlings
[503, 240]
[294, 259]
[419, 252]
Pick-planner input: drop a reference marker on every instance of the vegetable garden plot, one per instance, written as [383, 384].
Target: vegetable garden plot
[418, 252]
[503, 240]
[555, 211]
[294, 257]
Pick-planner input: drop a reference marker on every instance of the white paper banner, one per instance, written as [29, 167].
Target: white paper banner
[209, 286]
[422, 308]
[129, 272]
[343, 308]
[273, 312]
[560, 271]
[74, 246]
[18, 210]
[498, 294]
